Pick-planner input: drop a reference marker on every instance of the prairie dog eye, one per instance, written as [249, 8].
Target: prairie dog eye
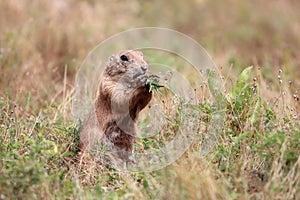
[124, 58]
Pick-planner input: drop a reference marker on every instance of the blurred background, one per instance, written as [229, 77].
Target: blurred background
[42, 43]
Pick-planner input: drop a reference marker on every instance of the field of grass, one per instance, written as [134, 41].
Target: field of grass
[257, 156]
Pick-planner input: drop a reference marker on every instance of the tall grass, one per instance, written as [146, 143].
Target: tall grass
[257, 154]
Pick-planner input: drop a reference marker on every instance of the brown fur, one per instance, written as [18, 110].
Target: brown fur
[123, 93]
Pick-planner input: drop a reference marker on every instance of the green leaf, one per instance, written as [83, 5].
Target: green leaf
[215, 87]
[241, 137]
[241, 82]
[255, 113]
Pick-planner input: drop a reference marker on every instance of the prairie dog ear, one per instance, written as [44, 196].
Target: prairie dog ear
[111, 58]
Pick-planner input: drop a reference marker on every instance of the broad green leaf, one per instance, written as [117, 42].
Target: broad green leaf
[241, 82]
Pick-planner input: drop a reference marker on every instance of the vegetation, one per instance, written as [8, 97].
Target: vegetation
[257, 155]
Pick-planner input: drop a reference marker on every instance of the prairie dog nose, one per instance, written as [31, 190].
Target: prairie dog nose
[144, 67]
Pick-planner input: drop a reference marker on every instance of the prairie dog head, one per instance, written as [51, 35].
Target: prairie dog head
[126, 65]
[124, 74]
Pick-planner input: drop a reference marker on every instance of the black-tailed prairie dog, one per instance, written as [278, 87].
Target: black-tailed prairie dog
[123, 93]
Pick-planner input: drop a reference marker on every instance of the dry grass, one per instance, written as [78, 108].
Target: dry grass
[43, 42]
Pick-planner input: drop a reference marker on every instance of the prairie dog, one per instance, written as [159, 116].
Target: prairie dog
[123, 93]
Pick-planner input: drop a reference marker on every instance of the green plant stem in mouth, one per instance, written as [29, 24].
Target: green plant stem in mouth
[153, 83]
